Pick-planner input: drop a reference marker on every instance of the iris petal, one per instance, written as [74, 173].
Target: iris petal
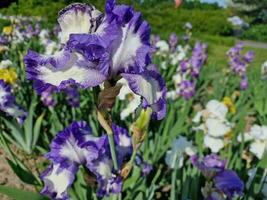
[78, 18]
[60, 69]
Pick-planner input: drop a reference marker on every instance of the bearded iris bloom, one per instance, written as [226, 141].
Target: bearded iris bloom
[101, 47]
[8, 105]
[225, 183]
[76, 146]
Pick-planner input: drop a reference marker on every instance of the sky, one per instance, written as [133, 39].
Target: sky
[220, 2]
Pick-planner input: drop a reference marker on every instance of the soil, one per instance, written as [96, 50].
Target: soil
[9, 178]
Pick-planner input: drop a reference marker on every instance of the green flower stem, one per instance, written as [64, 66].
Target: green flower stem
[133, 156]
[112, 150]
[173, 186]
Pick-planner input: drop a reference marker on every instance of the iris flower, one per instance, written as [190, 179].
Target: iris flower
[76, 146]
[101, 47]
[8, 105]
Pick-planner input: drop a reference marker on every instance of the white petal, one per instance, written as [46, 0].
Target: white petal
[59, 180]
[213, 143]
[258, 148]
[217, 109]
[77, 21]
[216, 128]
[126, 52]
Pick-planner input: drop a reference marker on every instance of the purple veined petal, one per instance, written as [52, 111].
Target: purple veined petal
[57, 181]
[209, 165]
[78, 18]
[229, 183]
[8, 104]
[151, 86]
[94, 47]
[66, 148]
[112, 185]
[121, 13]
[6, 97]
[131, 51]
[50, 71]
[123, 143]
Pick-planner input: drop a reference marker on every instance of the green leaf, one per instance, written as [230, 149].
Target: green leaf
[18, 194]
[263, 162]
[36, 129]
[16, 133]
[28, 126]
[21, 171]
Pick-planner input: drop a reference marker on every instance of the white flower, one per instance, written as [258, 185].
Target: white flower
[215, 125]
[5, 64]
[180, 147]
[214, 109]
[214, 144]
[258, 137]
[217, 128]
[162, 46]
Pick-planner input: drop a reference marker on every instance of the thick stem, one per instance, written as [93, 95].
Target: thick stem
[112, 150]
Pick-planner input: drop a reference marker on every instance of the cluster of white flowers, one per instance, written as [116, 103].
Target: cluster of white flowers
[214, 124]
[258, 140]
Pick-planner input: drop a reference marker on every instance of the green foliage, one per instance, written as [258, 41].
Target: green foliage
[163, 17]
[257, 32]
[20, 194]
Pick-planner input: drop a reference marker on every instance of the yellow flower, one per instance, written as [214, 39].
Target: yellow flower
[8, 75]
[7, 30]
[229, 103]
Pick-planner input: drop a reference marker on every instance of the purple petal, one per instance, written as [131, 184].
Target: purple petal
[66, 148]
[8, 104]
[123, 143]
[229, 183]
[209, 165]
[55, 71]
[151, 86]
[131, 51]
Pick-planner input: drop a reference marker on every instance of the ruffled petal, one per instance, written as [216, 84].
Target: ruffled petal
[78, 18]
[151, 86]
[215, 144]
[66, 148]
[61, 70]
[57, 180]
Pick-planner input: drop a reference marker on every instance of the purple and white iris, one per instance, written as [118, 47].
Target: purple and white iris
[188, 72]
[226, 182]
[8, 104]
[76, 146]
[239, 63]
[101, 47]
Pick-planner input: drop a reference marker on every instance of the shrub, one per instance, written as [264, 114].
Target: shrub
[257, 32]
